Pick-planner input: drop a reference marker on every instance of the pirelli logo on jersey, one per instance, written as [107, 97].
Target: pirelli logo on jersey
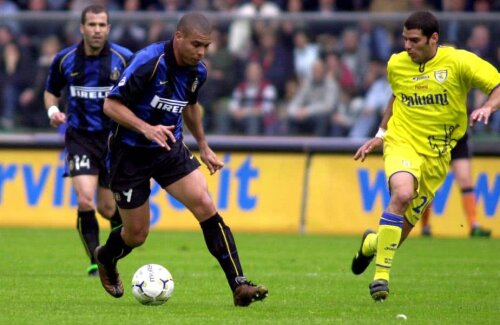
[169, 105]
[425, 99]
[89, 92]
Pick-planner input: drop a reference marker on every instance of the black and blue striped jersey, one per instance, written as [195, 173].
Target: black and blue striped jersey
[87, 79]
[157, 90]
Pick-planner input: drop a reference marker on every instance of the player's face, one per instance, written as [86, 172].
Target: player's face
[419, 47]
[191, 47]
[95, 32]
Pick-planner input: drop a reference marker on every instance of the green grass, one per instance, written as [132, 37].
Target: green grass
[434, 281]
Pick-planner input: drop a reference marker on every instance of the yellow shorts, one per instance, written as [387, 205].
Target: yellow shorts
[429, 173]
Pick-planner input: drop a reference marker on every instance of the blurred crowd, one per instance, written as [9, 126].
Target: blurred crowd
[266, 76]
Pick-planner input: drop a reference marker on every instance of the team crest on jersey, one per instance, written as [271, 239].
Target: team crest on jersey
[194, 85]
[115, 74]
[441, 75]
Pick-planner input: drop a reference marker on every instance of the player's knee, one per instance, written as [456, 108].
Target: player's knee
[135, 238]
[85, 202]
[402, 197]
[106, 210]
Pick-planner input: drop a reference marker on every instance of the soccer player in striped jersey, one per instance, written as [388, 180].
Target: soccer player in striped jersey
[423, 121]
[86, 72]
[157, 93]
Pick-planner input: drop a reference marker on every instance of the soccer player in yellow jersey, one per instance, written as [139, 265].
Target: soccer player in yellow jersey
[423, 121]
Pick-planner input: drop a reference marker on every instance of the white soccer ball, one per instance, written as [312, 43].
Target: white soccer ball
[152, 284]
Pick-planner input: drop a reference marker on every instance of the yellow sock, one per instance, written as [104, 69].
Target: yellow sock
[389, 235]
[369, 245]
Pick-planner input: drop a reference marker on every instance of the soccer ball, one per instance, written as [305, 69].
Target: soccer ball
[152, 284]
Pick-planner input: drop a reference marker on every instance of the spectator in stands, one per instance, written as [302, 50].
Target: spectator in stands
[454, 31]
[172, 5]
[240, 31]
[378, 95]
[345, 114]
[222, 68]
[479, 43]
[305, 54]
[274, 59]
[157, 31]
[31, 99]
[310, 110]
[291, 89]
[8, 7]
[375, 39]
[15, 75]
[354, 55]
[340, 72]
[129, 33]
[252, 107]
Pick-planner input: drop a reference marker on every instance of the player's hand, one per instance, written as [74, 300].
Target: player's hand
[368, 147]
[161, 134]
[57, 119]
[210, 159]
[481, 114]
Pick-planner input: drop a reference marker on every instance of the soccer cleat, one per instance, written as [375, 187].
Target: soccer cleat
[247, 292]
[110, 278]
[480, 232]
[379, 289]
[92, 270]
[361, 262]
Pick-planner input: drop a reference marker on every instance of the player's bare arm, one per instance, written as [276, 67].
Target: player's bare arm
[192, 118]
[121, 114]
[483, 113]
[378, 140]
[56, 117]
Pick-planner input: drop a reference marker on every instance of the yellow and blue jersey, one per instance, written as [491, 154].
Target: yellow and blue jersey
[87, 80]
[157, 90]
[429, 110]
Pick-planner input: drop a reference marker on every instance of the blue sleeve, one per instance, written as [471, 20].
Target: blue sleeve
[134, 82]
[55, 79]
[193, 96]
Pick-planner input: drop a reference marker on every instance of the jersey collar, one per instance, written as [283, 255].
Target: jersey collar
[169, 53]
[80, 50]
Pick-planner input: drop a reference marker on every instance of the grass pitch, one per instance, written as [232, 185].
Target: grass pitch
[434, 281]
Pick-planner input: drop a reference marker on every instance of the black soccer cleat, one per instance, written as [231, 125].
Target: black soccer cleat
[360, 262]
[246, 292]
[379, 289]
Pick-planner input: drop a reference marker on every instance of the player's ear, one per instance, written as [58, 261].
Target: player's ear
[178, 35]
[435, 38]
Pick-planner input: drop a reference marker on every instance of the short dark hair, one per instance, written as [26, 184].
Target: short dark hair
[423, 20]
[95, 9]
[194, 21]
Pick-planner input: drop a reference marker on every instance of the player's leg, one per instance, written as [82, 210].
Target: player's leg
[107, 208]
[462, 170]
[402, 186]
[87, 226]
[120, 243]
[192, 191]
[425, 224]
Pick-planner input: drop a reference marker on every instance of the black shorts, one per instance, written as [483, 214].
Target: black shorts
[131, 169]
[86, 154]
[462, 150]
